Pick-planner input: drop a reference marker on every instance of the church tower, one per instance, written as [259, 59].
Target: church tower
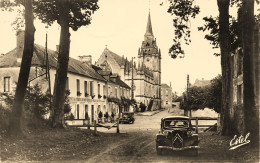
[149, 55]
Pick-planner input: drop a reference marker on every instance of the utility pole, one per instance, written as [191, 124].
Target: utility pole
[132, 84]
[48, 71]
[188, 84]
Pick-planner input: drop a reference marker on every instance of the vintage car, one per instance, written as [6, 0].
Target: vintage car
[127, 117]
[176, 134]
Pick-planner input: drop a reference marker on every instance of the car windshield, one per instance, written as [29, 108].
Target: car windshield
[176, 123]
[126, 115]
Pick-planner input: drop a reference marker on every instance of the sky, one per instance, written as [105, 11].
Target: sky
[120, 25]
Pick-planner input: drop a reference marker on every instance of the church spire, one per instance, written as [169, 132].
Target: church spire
[149, 30]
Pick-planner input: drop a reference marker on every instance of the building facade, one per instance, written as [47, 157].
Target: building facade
[87, 85]
[166, 95]
[237, 112]
[144, 78]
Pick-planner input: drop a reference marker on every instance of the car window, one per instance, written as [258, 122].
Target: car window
[176, 123]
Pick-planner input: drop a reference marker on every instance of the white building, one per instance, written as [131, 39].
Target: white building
[88, 88]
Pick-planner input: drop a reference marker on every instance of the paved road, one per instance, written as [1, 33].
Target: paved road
[140, 144]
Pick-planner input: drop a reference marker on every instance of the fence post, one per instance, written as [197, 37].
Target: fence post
[197, 123]
[95, 127]
[117, 126]
[88, 124]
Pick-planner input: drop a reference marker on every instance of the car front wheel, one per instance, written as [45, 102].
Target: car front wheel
[158, 150]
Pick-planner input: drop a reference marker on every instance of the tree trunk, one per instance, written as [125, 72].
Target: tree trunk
[250, 110]
[15, 118]
[62, 66]
[224, 41]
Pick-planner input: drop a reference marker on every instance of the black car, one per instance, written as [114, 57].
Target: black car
[127, 117]
[176, 133]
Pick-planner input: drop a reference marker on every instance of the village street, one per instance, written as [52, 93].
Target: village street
[134, 143]
[138, 145]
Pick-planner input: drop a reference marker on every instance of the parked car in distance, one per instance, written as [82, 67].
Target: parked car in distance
[176, 133]
[127, 117]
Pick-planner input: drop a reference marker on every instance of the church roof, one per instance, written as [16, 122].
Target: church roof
[38, 59]
[115, 56]
[165, 86]
[149, 30]
[121, 61]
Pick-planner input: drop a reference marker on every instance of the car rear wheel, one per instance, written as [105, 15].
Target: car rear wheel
[158, 150]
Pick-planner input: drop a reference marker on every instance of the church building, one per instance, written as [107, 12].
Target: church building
[143, 77]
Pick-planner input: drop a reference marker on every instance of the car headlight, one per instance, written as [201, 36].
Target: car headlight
[165, 133]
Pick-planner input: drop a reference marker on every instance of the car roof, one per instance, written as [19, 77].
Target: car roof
[176, 117]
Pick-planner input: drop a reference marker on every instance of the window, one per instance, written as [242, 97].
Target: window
[109, 91]
[91, 88]
[240, 64]
[105, 109]
[86, 108]
[99, 89]
[166, 102]
[104, 90]
[99, 109]
[78, 87]
[6, 84]
[115, 91]
[86, 88]
[77, 111]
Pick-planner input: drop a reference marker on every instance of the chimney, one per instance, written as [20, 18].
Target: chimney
[20, 44]
[57, 48]
[86, 59]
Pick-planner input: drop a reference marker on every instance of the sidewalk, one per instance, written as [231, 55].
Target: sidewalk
[148, 113]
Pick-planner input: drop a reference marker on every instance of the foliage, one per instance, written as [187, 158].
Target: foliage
[195, 98]
[212, 25]
[4, 116]
[127, 101]
[203, 97]
[71, 117]
[79, 14]
[113, 99]
[67, 107]
[142, 106]
[183, 11]
[178, 99]
[36, 102]
[213, 94]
